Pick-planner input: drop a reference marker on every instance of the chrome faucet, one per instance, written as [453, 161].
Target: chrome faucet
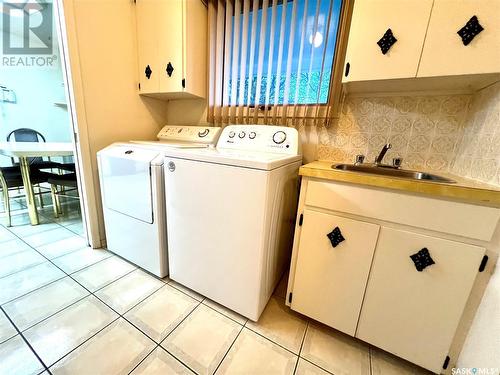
[380, 157]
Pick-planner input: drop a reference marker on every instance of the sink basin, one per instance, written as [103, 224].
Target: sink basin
[392, 172]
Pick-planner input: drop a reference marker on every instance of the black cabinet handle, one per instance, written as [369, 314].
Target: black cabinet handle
[470, 30]
[335, 237]
[148, 72]
[422, 259]
[385, 43]
[170, 69]
[347, 68]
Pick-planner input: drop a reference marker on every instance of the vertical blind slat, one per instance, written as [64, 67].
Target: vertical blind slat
[280, 58]
[314, 31]
[321, 72]
[270, 58]
[235, 59]
[243, 58]
[255, 11]
[290, 54]
[227, 60]
[262, 48]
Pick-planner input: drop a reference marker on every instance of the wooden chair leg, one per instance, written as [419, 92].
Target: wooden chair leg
[53, 193]
[40, 196]
[6, 203]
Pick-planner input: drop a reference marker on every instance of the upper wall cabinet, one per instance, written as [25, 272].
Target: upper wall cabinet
[410, 45]
[172, 47]
[371, 20]
[444, 51]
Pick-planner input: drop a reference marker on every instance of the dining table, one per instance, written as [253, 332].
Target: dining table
[25, 150]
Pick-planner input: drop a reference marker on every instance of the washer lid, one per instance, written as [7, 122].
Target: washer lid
[240, 158]
[126, 180]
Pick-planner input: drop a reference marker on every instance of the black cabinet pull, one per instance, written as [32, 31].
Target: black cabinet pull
[347, 68]
[148, 72]
[422, 259]
[470, 30]
[170, 69]
[385, 43]
[335, 237]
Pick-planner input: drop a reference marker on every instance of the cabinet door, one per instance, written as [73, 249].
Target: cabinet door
[330, 281]
[371, 18]
[444, 52]
[147, 45]
[413, 314]
[170, 42]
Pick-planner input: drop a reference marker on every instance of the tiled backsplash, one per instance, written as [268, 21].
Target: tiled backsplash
[478, 153]
[439, 133]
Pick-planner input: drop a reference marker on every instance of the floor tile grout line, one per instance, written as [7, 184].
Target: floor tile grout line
[182, 321]
[317, 365]
[301, 345]
[227, 316]
[26, 342]
[228, 349]
[142, 360]
[84, 341]
[271, 340]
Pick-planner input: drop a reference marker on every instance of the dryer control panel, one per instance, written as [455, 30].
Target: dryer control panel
[197, 134]
[262, 138]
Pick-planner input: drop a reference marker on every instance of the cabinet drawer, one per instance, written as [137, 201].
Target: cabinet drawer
[462, 219]
[406, 309]
[330, 281]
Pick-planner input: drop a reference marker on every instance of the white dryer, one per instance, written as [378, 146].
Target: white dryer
[133, 193]
[231, 213]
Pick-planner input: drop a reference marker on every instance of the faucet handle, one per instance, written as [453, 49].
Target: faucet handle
[397, 162]
[359, 159]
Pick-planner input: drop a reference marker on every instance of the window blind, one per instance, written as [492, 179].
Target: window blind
[276, 61]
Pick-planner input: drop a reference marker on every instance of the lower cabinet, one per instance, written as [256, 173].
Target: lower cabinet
[414, 314]
[330, 281]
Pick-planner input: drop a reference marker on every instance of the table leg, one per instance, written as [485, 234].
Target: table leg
[28, 190]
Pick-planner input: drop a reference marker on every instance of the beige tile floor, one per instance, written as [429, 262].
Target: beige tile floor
[67, 309]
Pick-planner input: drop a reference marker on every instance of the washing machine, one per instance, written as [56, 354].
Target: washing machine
[133, 193]
[231, 212]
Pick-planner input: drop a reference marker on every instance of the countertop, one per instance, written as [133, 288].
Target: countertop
[464, 189]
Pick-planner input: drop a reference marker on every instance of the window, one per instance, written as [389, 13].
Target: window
[308, 46]
[269, 55]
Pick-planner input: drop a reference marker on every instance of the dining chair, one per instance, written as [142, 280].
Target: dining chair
[31, 135]
[11, 179]
[58, 185]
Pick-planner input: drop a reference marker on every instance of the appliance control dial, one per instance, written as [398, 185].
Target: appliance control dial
[241, 134]
[252, 135]
[203, 133]
[231, 134]
[279, 137]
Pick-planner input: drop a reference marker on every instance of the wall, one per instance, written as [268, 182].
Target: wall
[103, 53]
[36, 89]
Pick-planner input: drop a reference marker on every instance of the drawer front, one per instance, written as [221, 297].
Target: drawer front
[330, 281]
[406, 309]
[462, 219]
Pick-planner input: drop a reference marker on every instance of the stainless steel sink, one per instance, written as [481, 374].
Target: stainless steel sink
[392, 172]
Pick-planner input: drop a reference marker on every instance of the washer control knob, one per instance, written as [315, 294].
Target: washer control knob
[279, 137]
[252, 135]
[241, 134]
[231, 134]
[203, 133]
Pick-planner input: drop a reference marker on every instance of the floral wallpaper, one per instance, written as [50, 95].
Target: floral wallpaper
[437, 133]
